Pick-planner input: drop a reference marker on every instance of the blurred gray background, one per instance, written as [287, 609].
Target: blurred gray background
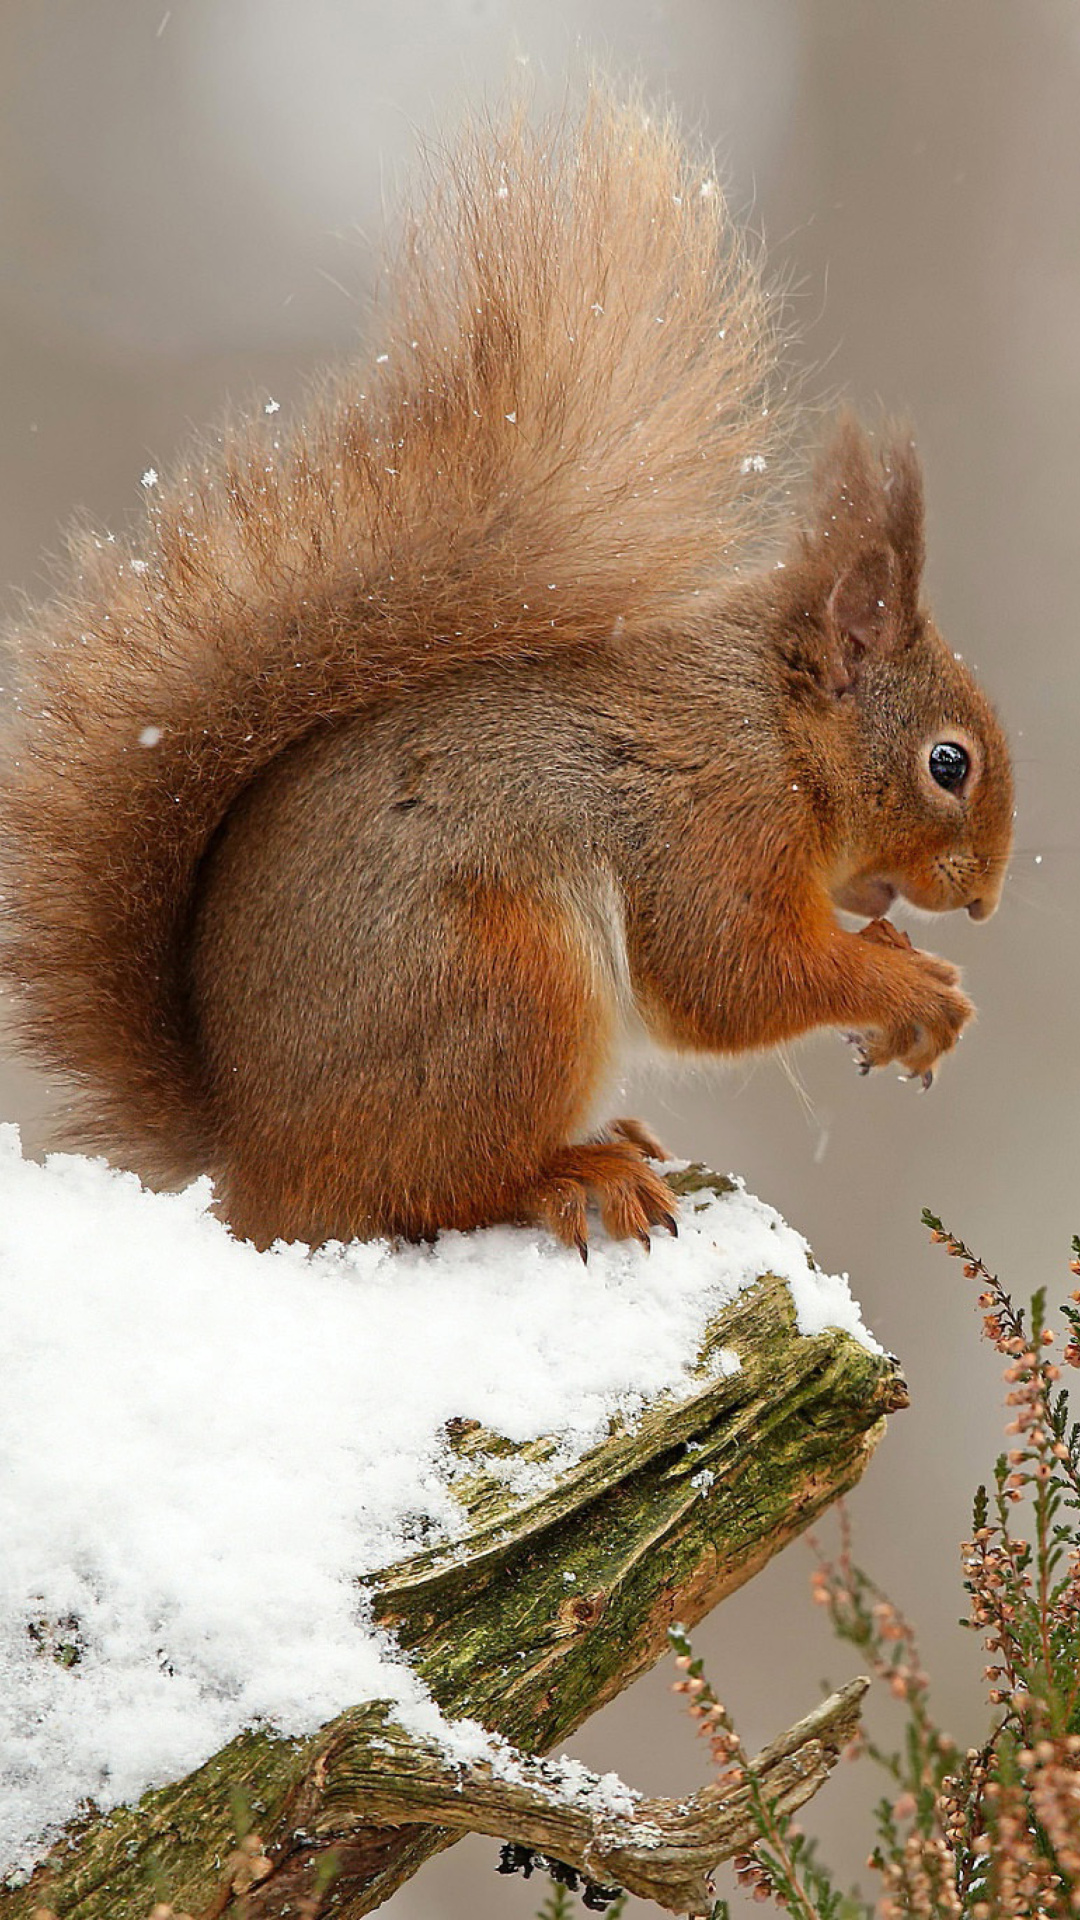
[190, 200]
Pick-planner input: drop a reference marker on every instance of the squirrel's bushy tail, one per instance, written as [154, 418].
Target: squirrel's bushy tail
[563, 429]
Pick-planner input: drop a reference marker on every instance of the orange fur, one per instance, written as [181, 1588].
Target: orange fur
[348, 815]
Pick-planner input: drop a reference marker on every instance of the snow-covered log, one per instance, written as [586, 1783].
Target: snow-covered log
[557, 1588]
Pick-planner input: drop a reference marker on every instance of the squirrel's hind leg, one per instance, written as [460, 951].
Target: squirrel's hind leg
[539, 1004]
[558, 967]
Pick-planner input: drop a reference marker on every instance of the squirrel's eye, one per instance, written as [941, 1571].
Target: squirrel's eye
[949, 765]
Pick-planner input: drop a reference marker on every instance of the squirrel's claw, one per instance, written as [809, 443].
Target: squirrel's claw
[863, 1062]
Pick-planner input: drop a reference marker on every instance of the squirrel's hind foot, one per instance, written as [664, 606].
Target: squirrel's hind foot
[631, 1195]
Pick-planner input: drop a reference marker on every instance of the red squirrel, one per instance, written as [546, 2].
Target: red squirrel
[415, 755]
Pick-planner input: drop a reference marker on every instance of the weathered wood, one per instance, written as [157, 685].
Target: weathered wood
[663, 1850]
[553, 1602]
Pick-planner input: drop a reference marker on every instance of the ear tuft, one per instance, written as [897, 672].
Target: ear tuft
[847, 490]
[905, 518]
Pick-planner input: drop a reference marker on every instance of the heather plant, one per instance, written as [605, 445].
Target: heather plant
[995, 1831]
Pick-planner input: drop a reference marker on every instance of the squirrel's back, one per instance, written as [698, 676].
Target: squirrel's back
[563, 429]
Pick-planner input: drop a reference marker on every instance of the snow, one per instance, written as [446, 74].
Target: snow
[202, 1446]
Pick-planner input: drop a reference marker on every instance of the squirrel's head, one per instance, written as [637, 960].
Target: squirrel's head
[916, 763]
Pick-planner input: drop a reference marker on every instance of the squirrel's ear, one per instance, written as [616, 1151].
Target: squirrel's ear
[864, 543]
[861, 615]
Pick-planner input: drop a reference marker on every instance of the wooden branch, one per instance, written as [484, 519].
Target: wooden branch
[663, 1850]
[554, 1601]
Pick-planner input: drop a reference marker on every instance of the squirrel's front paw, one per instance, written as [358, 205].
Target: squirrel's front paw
[926, 1015]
